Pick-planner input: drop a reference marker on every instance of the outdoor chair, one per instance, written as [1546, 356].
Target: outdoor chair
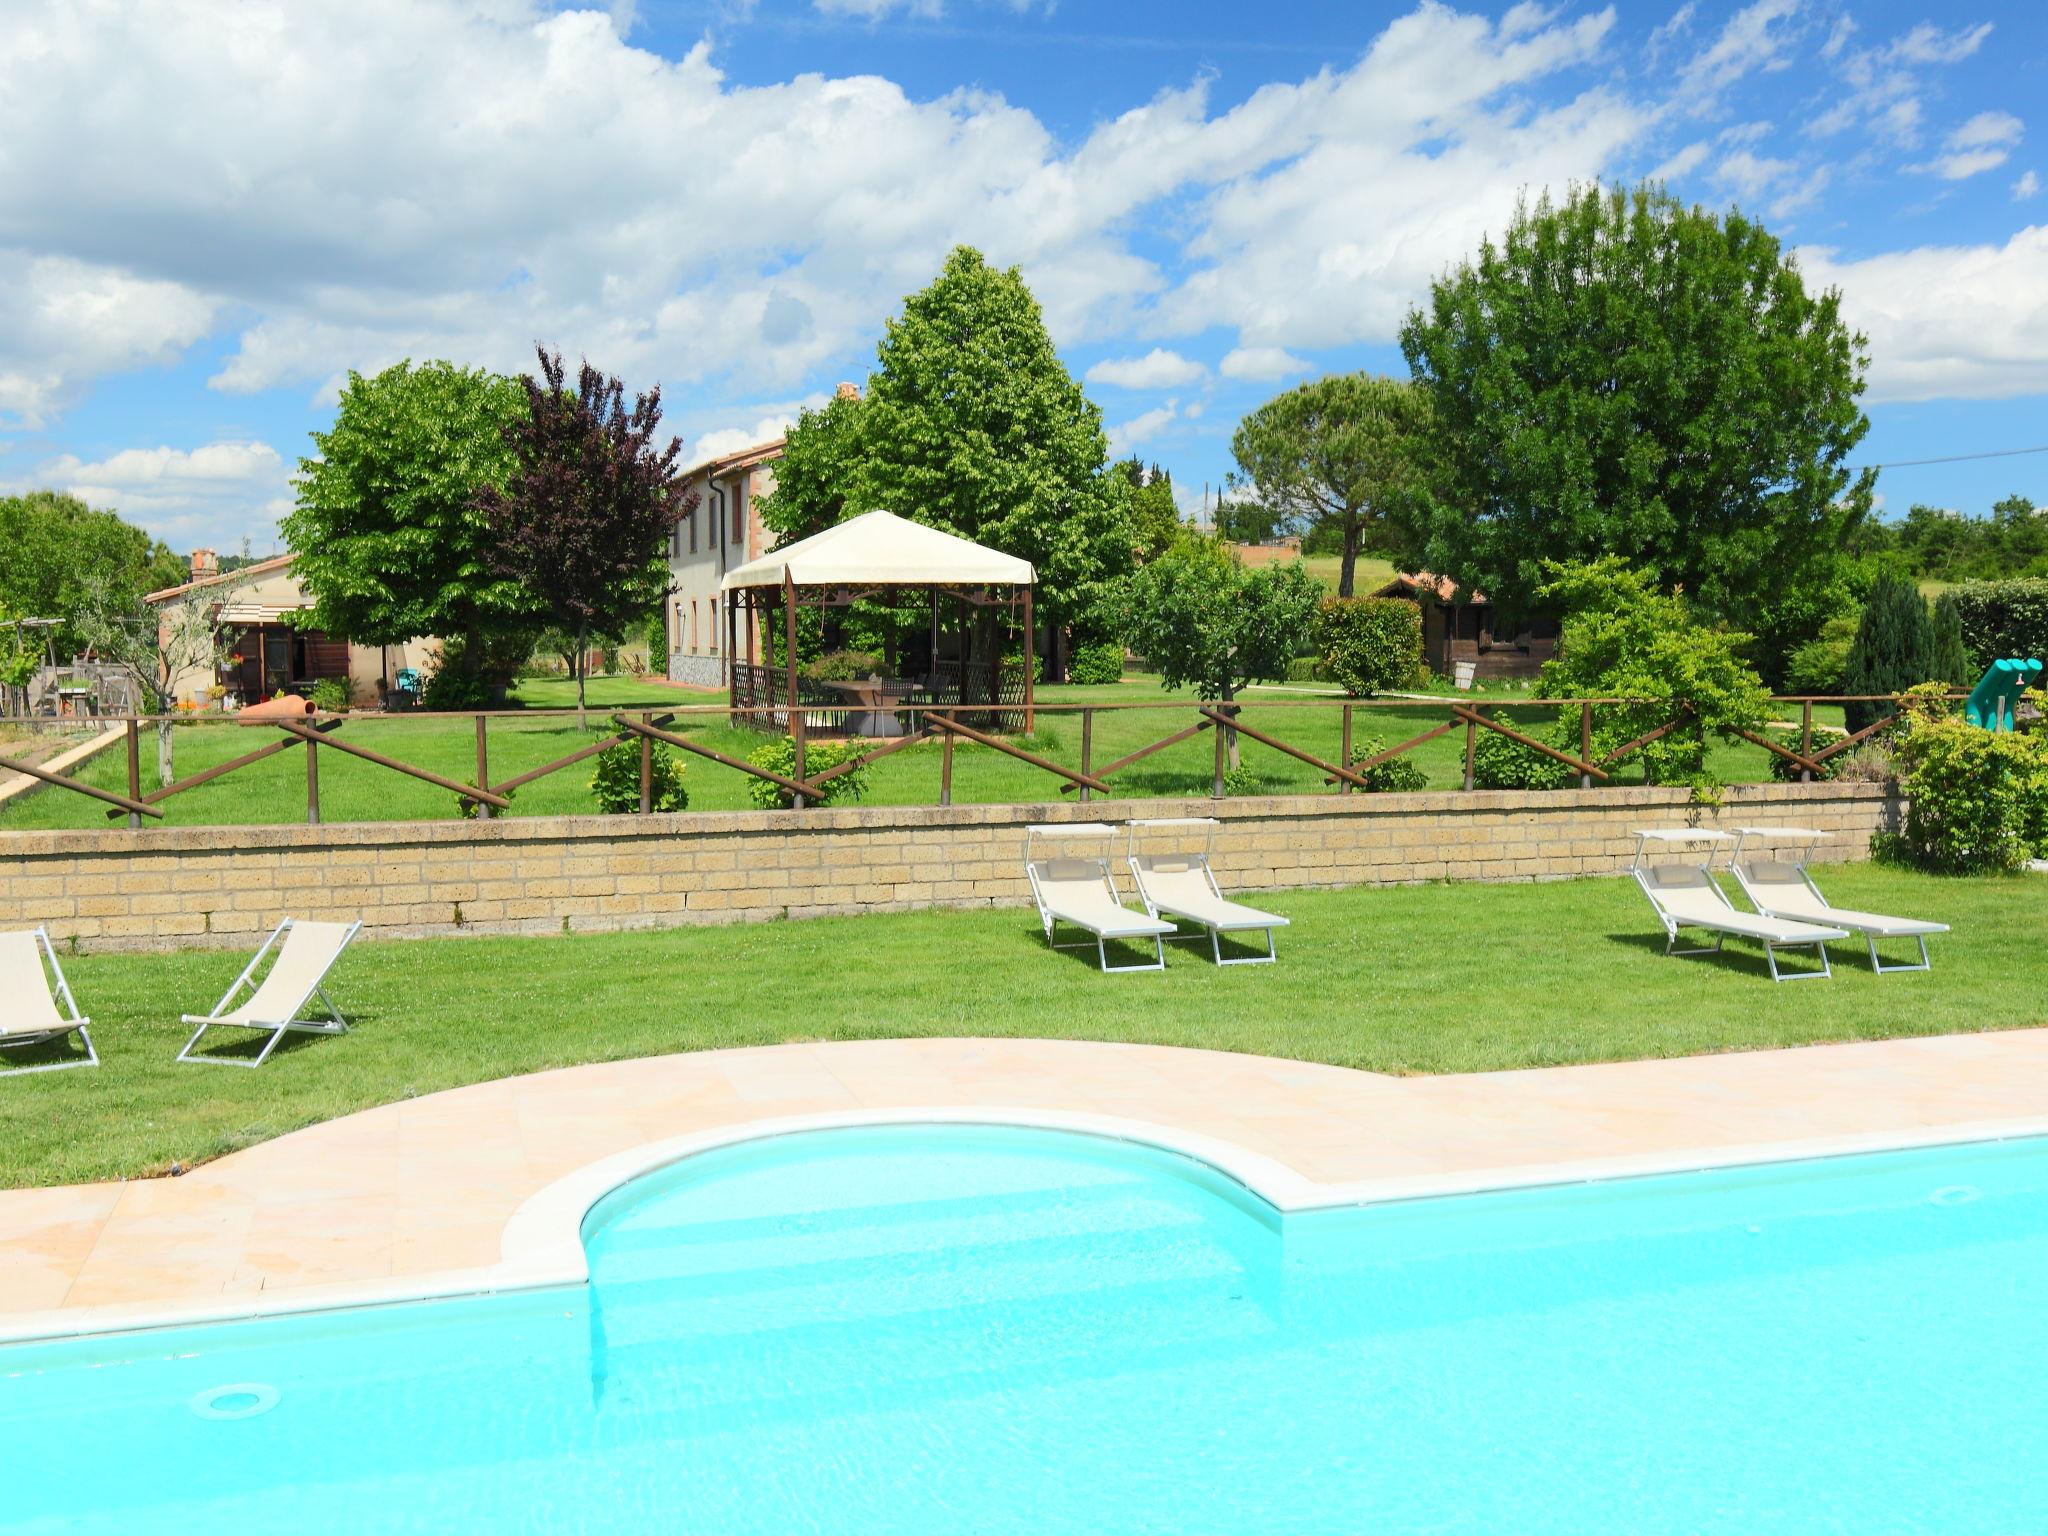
[1081, 893]
[28, 1003]
[1687, 896]
[1183, 886]
[298, 975]
[1780, 886]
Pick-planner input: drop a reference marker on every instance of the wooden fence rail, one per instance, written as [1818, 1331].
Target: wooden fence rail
[934, 722]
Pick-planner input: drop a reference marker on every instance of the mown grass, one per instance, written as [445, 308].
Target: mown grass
[274, 791]
[1416, 979]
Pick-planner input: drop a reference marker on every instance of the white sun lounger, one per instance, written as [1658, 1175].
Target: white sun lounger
[1687, 896]
[297, 976]
[1779, 885]
[28, 1003]
[1183, 885]
[1080, 893]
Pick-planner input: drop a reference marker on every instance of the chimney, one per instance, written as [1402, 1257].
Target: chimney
[204, 563]
[848, 391]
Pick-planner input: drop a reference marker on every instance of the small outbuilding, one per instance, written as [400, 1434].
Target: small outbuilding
[1456, 631]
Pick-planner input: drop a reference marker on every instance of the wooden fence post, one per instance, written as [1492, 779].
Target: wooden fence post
[1087, 747]
[646, 768]
[134, 768]
[1344, 756]
[483, 765]
[1585, 743]
[1471, 746]
[946, 771]
[312, 782]
[1806, 738]
[1222, 755]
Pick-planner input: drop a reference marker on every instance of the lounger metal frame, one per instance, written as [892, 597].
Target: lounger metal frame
[1877, 966]
[1050, 922]
[334, 1024]
[75, 1024]
[1672, 924]
[1202, 930]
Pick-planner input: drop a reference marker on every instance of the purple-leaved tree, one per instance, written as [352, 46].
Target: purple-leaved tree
[583, 519]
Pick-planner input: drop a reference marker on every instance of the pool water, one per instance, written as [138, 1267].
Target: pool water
[946, 1329]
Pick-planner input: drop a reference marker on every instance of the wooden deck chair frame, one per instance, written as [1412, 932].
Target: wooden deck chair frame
[1673, 923]
[71, 1022]
[333, 1024]
[1213, 932]
[1800, 839]
[1050, 920]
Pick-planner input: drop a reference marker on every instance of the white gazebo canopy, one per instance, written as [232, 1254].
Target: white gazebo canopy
[882, 549]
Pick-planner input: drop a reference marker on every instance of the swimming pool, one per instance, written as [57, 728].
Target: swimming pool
[959, 1330]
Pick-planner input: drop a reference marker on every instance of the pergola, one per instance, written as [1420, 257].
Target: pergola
[866, 557]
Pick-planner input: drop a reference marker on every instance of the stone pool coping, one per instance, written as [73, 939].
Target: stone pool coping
[484, 1189]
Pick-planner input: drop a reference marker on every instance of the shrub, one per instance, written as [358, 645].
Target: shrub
[617, 780]
[1977, 800]
[453, 683]
[331, 694]
[1785, 771]
[2003, 618]
[1893, 648]
[1096, 664]
[1307, 669]
[1242, 781]
[1818, 665]
[1948, 656]
[1499, 763]
[779, 756]
[1396, 775]
[843, 667]
[1370, 643]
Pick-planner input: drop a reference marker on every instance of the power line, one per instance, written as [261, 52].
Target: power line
[1958, 458]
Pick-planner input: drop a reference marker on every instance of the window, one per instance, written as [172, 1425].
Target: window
[717, 523]
[693, 531]
[739, 513]
[675, 634]
[714, 626]
[693, 624]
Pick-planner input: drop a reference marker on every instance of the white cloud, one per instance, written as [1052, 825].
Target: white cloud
[1140, 429]
[218, 493]
[720, 441]
[1262, 363]
[1752, 40]
[64, 321]
[2025, 187]
[1157, 369]
[1749, 175]
[1884, 81]
[1984, 143]
[1686, 161]
[1960, 321]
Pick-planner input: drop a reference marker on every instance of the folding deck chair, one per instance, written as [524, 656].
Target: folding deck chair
[1183, 885]
[1779, 885]
[1081, 893]
[296, 977]
[1687, 896]
[28, 1003]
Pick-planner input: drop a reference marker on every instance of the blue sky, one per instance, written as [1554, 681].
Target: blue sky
[1212, 201]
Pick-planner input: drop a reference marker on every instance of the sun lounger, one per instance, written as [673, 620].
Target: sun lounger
[295, 978]
[1778, 885]
[28, 1003]
[1183, 885]
[1079, 892]
[1687, 896]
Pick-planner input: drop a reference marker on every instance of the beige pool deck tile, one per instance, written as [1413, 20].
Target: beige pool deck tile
[425, 1187]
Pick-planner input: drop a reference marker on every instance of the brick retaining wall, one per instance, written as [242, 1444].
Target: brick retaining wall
[184, 886]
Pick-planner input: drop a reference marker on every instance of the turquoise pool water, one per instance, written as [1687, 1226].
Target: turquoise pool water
[947, 1330]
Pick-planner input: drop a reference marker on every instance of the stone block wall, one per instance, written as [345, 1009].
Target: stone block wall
[168, 887]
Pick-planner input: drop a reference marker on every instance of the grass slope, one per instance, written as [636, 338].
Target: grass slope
[1413, 979]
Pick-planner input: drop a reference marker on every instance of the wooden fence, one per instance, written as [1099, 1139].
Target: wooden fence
[950, 724]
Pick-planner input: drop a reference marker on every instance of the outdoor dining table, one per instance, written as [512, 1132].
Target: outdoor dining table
[877, 698]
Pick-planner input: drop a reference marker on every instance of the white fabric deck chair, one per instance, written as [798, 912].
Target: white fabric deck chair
[28, 1003]
[1081, 893]
[1779, 885]
[1183, 885]
[1687, 896]
[296, 976]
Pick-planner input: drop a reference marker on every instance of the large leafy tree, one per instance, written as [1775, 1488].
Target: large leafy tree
[584, 516]
[56, 553]
[1623, 372]
[390, 540]
[971, 423]
[1155, 516]
[1345, 456]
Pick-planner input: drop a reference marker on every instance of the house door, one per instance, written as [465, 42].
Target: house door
[277, 661]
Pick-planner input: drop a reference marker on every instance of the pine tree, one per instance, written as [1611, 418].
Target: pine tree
[1893, 648]
[1949, 657]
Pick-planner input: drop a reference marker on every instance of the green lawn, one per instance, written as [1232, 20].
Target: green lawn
[1415, 979]
[274, 790]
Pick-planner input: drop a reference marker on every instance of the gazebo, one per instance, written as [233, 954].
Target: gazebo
[880, 555]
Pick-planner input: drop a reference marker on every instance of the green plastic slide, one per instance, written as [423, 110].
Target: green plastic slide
[1998, 691]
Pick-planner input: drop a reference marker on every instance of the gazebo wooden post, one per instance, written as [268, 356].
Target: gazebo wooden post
[1030, 663]
[796, 718]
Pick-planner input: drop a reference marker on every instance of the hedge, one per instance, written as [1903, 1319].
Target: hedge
[2003, 618]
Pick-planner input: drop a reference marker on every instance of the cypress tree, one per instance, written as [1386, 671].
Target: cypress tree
[1893, 648]
[1949, 658]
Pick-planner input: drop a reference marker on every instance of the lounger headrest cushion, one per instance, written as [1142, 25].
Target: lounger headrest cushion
[1771, 872]
[1677, 875]
[1070, 869]
[1166, 864]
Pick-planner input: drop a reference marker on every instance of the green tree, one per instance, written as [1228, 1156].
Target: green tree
[1623, 372]
[55, 551]
[818, 477]
[1205, 621]
[1155, 516]
[391, 543]
[1948, 657]
[584, 517]
[1351, 454]
[1893, 648]
[155, 645]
